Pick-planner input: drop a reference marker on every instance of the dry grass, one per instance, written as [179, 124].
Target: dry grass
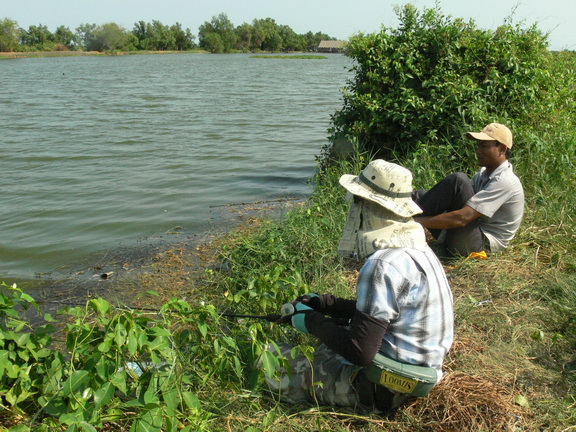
[469, 402]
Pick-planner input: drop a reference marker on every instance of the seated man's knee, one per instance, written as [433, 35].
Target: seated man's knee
[458, 178]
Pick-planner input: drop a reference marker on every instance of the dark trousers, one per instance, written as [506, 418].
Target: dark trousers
[452, 193]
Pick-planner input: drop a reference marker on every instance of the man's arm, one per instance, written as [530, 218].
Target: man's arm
[454, 219]
[329, 304]
[358, 343]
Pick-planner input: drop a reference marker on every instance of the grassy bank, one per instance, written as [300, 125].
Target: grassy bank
[512, 366]
[43, 54]
[287, 57]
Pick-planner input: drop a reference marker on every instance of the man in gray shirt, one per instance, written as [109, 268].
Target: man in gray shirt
[482, 214]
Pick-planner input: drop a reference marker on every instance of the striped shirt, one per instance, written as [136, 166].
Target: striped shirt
[408, 289]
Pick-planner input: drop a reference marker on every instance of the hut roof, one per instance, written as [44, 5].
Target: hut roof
[332, 44]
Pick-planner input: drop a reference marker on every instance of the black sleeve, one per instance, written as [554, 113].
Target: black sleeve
[337, 307]
[358, 344]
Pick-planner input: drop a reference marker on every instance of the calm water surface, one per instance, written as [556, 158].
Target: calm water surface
[97, 152]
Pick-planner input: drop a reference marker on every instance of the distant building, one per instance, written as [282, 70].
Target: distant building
[331, 46]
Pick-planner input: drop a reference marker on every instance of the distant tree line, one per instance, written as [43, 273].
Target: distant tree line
[217, 36]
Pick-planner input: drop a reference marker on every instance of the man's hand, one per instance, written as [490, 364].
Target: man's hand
[299, 317]
[316, 302]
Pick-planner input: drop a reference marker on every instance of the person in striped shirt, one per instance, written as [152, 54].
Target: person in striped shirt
[402, 314]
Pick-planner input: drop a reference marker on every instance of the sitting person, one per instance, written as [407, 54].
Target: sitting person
[482, 214]
[401, 322]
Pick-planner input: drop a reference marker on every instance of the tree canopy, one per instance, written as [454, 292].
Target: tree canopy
[8, 35]
[219, 35]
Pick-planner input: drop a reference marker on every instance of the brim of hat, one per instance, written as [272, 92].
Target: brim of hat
[480, 136]
[404, 207]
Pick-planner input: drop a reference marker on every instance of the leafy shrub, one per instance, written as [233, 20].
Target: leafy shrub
[430, 79]
[127, 367]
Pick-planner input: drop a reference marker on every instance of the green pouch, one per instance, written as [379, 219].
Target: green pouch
[401, 377]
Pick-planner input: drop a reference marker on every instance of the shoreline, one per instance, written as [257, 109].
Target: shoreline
[50, 54]
[46, 54]
[169, 264]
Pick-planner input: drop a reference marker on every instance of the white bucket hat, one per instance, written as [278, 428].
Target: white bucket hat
[386, 184]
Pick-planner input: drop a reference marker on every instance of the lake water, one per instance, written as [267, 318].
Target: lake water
[98, 152]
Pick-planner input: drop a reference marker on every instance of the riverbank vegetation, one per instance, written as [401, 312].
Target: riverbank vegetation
[47, 54]
[290, 57]
[179, 364]
[218, 35]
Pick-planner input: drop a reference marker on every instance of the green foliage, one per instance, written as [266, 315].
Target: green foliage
[159, 37]
[37, 38]
[433, 76]
[8, 35]
[218, 35]
[65, 37]
[183, 39]
[213, 42]
[83, 34]
[23, 353]
[122, 366]
[266, 35]
[548, 139]
[108, 37]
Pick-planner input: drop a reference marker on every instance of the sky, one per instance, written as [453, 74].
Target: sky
[337, 18]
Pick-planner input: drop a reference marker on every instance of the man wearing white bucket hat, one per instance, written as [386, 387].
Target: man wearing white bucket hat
[401, 323]
[482, 214]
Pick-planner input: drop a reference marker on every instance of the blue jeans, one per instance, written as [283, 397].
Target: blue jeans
[452, 193]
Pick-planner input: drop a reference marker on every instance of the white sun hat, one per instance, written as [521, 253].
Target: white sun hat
[386, 184]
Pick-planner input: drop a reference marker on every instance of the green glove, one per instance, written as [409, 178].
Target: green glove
[299, 317]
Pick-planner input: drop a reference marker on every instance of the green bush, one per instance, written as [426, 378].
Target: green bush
[126, 367]
[433, 77]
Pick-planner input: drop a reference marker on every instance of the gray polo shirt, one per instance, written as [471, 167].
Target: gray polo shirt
[500, 199]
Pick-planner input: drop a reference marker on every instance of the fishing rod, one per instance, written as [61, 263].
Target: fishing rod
[270, 317]
[286, 312]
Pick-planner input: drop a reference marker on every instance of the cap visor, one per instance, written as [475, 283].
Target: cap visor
[479, 136]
